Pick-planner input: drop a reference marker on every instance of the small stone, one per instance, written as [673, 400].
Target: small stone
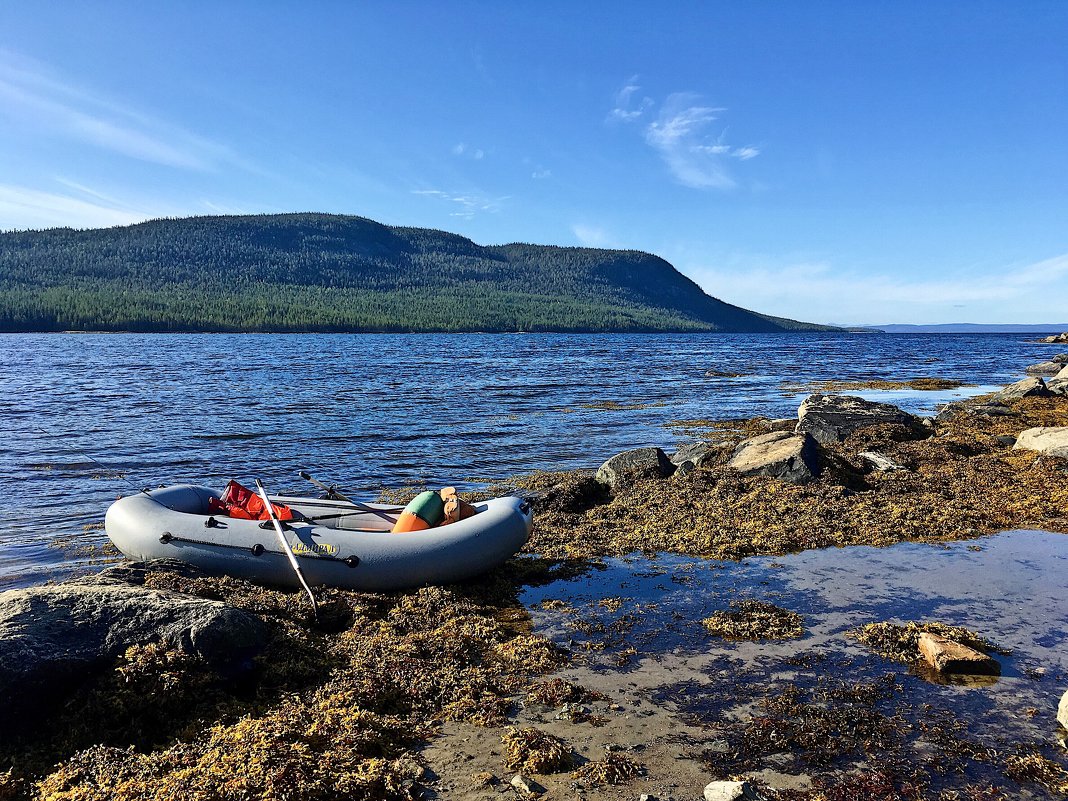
[525, 786]
[1062, 711]
[1006, 439]
[647, 797]
[883, 464]
[684, 469]
[731, 791]
[695, 452]
[947, 656]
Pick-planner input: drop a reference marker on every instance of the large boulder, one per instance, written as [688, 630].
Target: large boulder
[832, 418]
[1044, 368]
[779, 454]
[1047, 440]
[634, 465]
[1028, 388]
[1062, 711]
[54, 637]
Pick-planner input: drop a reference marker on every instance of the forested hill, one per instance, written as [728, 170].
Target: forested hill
[319, 272]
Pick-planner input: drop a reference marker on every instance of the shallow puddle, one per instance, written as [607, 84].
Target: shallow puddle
[823, 706]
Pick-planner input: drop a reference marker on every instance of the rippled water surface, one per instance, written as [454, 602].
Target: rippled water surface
[368, 411]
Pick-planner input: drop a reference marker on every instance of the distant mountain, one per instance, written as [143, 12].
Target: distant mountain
[320, 272]
[972, 328]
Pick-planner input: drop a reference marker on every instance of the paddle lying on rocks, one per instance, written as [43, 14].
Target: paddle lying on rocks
[285, 546]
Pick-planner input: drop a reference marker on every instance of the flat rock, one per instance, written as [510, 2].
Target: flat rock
[1028, 388]
[780, 454]
[947, 656]
[54, 637]
[634, 464]
[1062, 711]
[1051, 441]
[879, 462]
[832, 418]
[1044, 368]
[731, 791]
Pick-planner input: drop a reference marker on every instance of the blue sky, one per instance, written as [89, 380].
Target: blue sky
[843, 162]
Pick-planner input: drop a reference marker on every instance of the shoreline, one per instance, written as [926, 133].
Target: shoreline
[363, 704]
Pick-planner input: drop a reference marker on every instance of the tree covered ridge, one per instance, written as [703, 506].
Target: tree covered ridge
[320, 272]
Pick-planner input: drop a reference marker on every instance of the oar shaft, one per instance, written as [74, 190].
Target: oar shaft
[285, 545]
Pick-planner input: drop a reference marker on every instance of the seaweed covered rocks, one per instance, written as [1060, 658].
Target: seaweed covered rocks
[55, 638]
[833, 418]
[634, 465]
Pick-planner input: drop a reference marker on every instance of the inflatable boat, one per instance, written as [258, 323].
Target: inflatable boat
[338, 543]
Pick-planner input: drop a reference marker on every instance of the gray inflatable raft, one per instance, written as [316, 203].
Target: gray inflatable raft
[342, 545]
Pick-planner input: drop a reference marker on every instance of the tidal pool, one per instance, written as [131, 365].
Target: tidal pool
[823, 708]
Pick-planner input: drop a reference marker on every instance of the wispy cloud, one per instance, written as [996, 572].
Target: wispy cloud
[35, 99]
[686, 134]
[541, 173]
[816, 290]
[474, 153]
[23, 208]
[467, 205]
[627, 107]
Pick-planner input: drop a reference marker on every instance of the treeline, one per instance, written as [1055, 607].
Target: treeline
[315, 272]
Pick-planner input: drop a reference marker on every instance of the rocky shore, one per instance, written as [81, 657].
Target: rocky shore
[157, 682]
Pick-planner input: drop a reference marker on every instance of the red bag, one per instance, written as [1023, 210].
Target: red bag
[241, 502]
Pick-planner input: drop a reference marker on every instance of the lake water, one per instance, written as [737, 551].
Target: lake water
[373, 411]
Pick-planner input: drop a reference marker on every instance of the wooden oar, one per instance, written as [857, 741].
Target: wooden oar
[285, 547]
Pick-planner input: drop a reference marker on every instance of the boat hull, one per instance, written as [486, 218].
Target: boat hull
[172, 522]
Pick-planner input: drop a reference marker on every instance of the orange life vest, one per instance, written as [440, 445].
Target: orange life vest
[241, 502]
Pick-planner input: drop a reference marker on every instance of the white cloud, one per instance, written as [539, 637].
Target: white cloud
[35, 100]
[682, 136]
[468, 204]
[22, 208]
[816, 291]
[540, 173]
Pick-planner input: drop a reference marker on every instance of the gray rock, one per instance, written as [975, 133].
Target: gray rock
[1060, 358]
[634, 464]
[1055, 338]
[790, 457]
[1058, 385]
[1062, 711]
[54, 637]
[949, 656]
[879, 462]
[832, 418]
[995, 409]
[697, 452]
[1028, 388]
[683, 470]
[1044, 368]
[1006, 439]
[1051, 441]
[731, 791]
